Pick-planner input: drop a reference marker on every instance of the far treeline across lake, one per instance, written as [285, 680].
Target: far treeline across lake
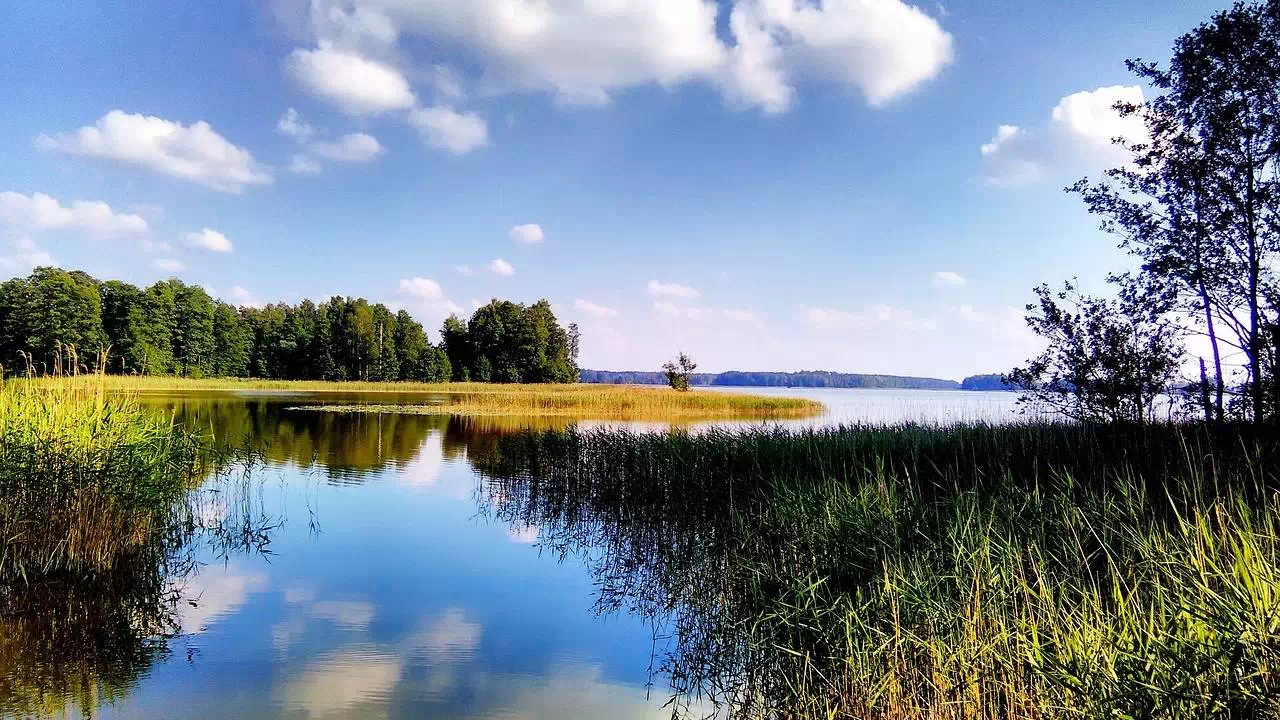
[172, 328]
[802, 379]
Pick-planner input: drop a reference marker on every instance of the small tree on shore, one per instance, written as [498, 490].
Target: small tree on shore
[678, 371]
[1106, 360]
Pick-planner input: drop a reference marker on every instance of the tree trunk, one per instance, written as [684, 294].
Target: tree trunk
[1219, 388]
[1204, 393]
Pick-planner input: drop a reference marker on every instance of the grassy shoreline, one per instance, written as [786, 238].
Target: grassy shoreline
[582, 401]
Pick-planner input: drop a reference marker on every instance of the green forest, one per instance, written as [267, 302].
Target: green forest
[172, 328]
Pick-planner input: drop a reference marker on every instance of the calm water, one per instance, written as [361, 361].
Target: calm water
[384, 585]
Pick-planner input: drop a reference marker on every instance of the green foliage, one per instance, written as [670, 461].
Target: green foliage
[679, 371]
[508, 342]
[1198, 202]
[172, 328]
[1106, 360]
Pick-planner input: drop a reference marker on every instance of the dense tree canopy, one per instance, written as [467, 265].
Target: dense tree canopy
[172, 328]
[510, 342]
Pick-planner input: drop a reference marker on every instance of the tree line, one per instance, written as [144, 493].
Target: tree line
[802, 379]
[1198, 207]
[172, 328]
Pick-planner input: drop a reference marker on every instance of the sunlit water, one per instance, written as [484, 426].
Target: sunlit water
[385, 590]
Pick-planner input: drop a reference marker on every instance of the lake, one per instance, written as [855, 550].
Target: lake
[377, 573]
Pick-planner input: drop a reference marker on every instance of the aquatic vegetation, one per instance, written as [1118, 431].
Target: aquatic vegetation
[1033, 571]
[86, 476]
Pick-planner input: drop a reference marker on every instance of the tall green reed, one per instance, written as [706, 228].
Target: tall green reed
[1029, 571]
[85, 475]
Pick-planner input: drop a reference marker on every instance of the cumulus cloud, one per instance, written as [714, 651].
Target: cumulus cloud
[292, 125]
[464, 270]
[530, 234]
[884, 48]
[501, 267]
[351, 148]
[356, 84]
[661, 289]
[445, 128]
[168, 265]
[208, 239]
[1077, 137]
[948, 279]
[421, 288]
[24, 256]
[191, 152]
[594, 310]
[40, 212]
[236, 295]
[586, 51]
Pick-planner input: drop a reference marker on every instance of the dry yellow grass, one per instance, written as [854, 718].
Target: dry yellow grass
[602, 402]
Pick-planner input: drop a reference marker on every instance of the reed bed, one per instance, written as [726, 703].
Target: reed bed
[620, 404]
[595, 402]
[86, 476]
[1029, 571]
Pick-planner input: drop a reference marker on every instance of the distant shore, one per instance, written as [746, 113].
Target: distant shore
[801, 379]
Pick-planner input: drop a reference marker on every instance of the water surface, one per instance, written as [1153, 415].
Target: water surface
[383, 585]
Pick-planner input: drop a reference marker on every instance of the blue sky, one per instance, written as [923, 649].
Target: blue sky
[857, 185]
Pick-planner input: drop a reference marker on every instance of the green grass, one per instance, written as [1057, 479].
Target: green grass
[1033, 571]
[598, 402]
[86, 476]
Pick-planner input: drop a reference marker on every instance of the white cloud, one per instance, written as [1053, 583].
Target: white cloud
[41, 212]
[661, 289]
[24, 257]
[421, 288]
[304, 165]
[884, 48]
[594, 310]
[705, 314]
[356, 84]
[168, 265]
[235, 295]
[586, 51]
[208, 239]
[292, 125]
[529, 234]
[1077, 138]
[445, 128]
[501, 267]
[875, 316]
[948, 279]
[195, 152]
[464, 270]
[352, 148]
[361, 28]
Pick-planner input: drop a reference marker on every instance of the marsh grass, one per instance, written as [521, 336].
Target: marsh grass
[86, 476]
[614, 402]
[1032, 571]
